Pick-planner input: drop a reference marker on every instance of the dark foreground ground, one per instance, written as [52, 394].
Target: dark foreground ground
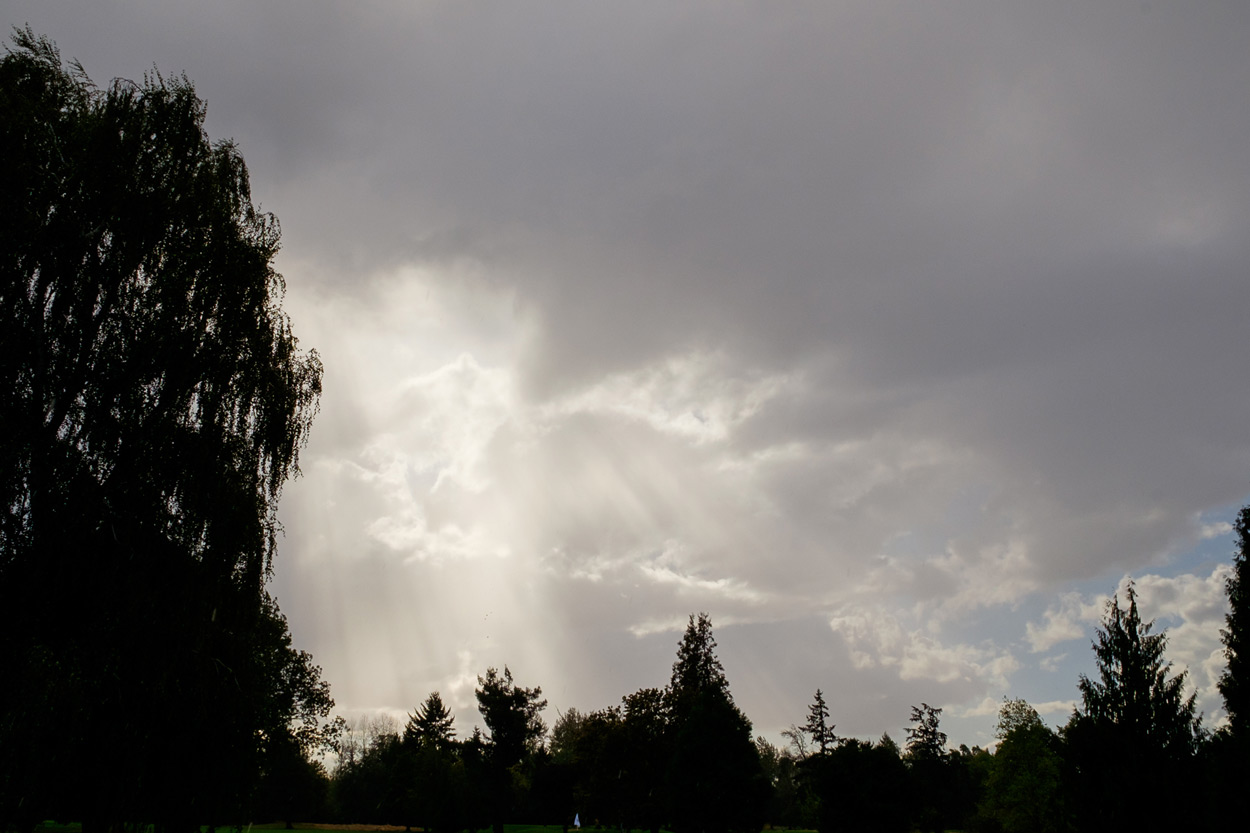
[54, 827]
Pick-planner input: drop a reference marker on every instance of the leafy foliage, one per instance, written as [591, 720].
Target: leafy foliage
[594, 746]
[1015, 717]
[861, 786]
[789, 804]
[647, 746]
[146, 358]
[155, 403]
[1024, 790]
[512, 715]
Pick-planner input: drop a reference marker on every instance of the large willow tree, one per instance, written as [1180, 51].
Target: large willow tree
[154, 404]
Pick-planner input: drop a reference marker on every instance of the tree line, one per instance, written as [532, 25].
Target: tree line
[1133, 754]
[156, 401]
[681, 757]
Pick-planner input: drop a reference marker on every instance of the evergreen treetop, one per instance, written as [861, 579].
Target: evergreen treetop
[697, 669]
[1236, 634]
[925, 741]
[433, 723]
[1134, 690]
[818, 726]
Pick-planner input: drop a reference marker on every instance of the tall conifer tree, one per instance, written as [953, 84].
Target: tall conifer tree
[714, 778]
[817, 725]
[1135, 727]
[1234, 685]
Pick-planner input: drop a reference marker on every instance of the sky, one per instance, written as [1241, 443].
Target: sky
[896, 336]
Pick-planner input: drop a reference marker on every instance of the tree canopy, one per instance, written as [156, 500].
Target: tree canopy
[155, 403]
[512, 714]
[1024, 784]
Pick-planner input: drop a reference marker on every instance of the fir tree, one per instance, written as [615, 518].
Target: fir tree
[925, 741]
[818, 726]
[714, 776]
[697, 670]
[1134, 692]
[1236, 636]
[433, 723]
[1135, 727]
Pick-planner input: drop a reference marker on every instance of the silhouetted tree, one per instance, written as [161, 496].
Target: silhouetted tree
[1235, 681]
[925, 740]
[564, 735]
[969, 772]
[373, 789]
[429, 750]
[770, 764]
[927, 760]
[818, 726]
[714, 778]
[697, 669]
[647, 748]
[797, 806]
[593, 747]
[512, 715]
[1024, 790]
[471, 783]
[292, 787]
[563, 771]
[785, 807]
[797, 737]
[431, 724]
[1226, 760]
[1135, 727]
[154, 404]
[861, 787]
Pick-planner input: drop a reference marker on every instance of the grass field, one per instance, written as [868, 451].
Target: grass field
[54, 827]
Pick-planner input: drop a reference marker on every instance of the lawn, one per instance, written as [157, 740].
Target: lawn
[54, 827]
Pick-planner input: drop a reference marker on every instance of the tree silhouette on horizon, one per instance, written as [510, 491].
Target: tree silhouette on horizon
[1134, 726]
[155, 402]
[715, 782]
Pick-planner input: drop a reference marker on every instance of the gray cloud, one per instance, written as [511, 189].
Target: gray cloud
[887, 316]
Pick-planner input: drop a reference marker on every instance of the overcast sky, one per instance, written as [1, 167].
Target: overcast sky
[893, 335]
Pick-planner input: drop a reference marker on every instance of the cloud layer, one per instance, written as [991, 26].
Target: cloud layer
[892, 334]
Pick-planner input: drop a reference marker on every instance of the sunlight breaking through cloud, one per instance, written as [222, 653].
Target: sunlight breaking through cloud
[907, 365]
